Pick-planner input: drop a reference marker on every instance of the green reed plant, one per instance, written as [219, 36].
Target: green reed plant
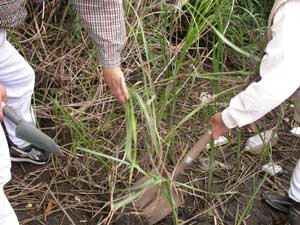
[168, 66]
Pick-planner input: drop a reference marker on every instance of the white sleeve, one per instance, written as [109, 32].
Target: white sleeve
[281, 78]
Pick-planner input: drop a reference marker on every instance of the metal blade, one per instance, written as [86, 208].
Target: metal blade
[32, 135]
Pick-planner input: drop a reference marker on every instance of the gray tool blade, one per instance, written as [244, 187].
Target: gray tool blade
[29, 133]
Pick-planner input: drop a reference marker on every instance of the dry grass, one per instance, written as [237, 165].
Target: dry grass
[73, 105]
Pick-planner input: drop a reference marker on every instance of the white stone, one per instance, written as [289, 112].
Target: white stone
[296, 131]
[219, 142]
[204, 97]
[272, 169]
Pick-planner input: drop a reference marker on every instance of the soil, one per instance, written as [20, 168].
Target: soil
[77, 190]
[41, 208]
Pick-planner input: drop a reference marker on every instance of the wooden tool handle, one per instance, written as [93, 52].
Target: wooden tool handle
[193, 153]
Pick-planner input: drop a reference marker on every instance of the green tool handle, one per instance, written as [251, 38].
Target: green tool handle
[11, 115]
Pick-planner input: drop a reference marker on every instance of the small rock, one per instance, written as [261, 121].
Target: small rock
[219, 142]
[296, 131]
[77, 199]
[204, 97]
[256, 144]
[272, 169]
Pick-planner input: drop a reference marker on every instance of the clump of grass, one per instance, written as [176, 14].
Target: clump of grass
[175, 51]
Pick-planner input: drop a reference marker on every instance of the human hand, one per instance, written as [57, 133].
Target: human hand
[218, 128]
[115, 80]
[3, 98]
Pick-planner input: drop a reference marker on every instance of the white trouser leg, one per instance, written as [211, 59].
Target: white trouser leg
[17, 76]
[7, 214]
[294, 191]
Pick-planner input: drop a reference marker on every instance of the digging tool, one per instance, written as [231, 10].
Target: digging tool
[29, 133]
[153, 203]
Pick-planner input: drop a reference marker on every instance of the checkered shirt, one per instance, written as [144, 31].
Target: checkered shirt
[103, 20]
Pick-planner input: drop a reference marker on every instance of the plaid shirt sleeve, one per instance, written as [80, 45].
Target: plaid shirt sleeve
[12, 13]
[104, 21]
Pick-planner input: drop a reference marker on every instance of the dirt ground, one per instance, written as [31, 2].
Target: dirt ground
[51, 214]
[60, 193]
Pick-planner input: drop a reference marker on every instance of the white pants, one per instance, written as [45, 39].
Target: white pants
[17, 76]
[7, 214]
